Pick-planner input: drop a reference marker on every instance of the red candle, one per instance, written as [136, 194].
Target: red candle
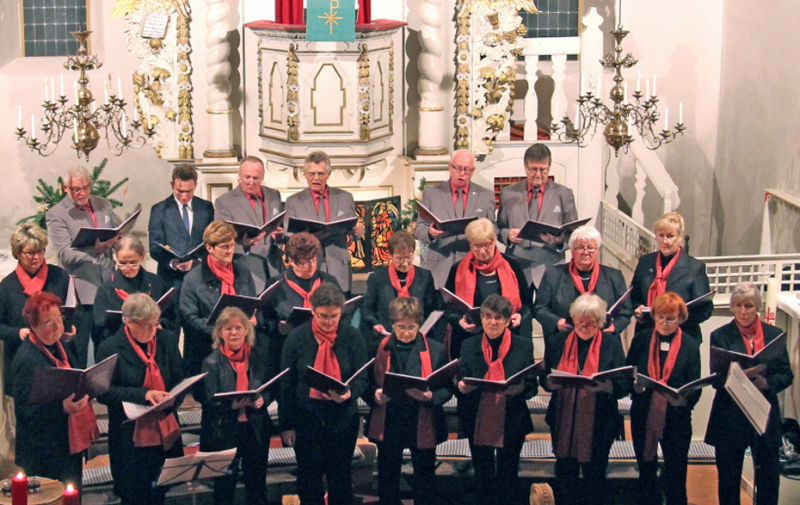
[70, 496]
[19, 489]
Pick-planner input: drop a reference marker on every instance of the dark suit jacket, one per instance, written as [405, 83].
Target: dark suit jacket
[688, 279]
[64, 221]
[200, 292]
[12, 300]
[218, 430]
[42, 429]
[401, 416]
[335, 254]
[727, 424]
[375, 307]
[686, 370]
[558, 207]
[166, 228]
[556, 292]
[448, 250]
[518, 420]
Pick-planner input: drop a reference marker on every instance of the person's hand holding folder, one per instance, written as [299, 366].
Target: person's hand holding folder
[155, 397]
[603, 386]
[464, 388]
[101, 247]
[71, 405]
[420, 396]
[251, 241]
[756, 375]
[516, 389]
[380, 398]
[248, 402]
[435, 232]
[337, 397]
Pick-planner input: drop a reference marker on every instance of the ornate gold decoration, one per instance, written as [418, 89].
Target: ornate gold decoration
[186, 133]
[363, 92]
[391, 87]
[292, 103]
[122, 7]
[462, 82]
[467, 8]
[261, 91]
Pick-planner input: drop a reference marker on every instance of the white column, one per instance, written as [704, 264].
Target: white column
[432, 122]
[218, 71]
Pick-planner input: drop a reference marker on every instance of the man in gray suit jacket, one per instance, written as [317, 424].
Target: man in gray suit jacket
[538, 199]
[323, 203]
[252, 203]
[451, 199]
[91, 265]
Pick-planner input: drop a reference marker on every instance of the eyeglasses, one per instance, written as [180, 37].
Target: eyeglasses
[147, 326]
[328, 317]
[226, 247]
[585, 326]
[312, 175]
[666, 238]
[402, 259]
[590, 250]
[80, 189]
[399, 328]
[50, 325]
[541, 170]
[497, 318]
[664, 319]
[463, 170]
[481, 247]
[32, 254]
[126, 266]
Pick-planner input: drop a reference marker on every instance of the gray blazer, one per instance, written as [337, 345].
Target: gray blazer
[558, 207]
[335, 255]
[234, 206]
[64, 221]
[447, 250]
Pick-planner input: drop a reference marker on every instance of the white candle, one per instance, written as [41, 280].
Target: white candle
[654, 85]
[19, 119]
[617, 11]
[124, 129]
[105, 90]
[680, 113]
[46, 91]
[666, 118]
[647, 95]
[94, 107]
[62, 85]
[638, 81]
[33, 126]
[76, 92]
[135, 113]
[119, 87]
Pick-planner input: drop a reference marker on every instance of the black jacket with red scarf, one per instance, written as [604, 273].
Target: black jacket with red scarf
[402, 414]
[518, 422]
[726, 421]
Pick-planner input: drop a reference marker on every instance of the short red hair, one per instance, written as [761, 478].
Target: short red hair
[668, 303]
[38, 303]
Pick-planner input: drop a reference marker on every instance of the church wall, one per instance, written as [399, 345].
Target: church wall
[757, 147]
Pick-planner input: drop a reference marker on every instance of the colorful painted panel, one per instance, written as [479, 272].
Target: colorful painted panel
[379, 217]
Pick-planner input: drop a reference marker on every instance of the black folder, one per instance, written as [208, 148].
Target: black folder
[340, 227]
[233, 396]
[248, 304]
[69, 310]
[55, 384]
[88, 236]
[163, 303]
[566, 379]
[136, 411]
[648, 310]
[499, 387]
[647, 382]
[451, 226]
[395, 384]
[324, 383]
[195, 254]
[722, 358]
[248, 230]
[460, 306]
[532, 230]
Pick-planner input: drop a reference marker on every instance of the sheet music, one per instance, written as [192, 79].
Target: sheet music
[747, 396]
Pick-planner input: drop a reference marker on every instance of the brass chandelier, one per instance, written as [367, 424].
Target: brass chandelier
[620, 119]
[87, 120]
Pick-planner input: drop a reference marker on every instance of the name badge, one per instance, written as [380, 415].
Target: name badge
[665, 346]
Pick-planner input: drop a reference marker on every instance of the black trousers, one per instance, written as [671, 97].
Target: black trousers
[675, 441]
[497, 473]
[390, 459]
[84, 327]
[325, 449]
[253, 458]
[730, 458]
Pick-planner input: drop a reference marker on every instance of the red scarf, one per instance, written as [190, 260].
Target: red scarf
[326, 361]
[656, 416]
[88, 208]
[753, 337]
[466, 278]
[300, 291]
[161, 428]
[83, 423]
[239, 360]
[659, 284]
[491, 418]
[402, 291]
[576, 406]
[322, 196]
[224, 274]
[121, 292]
[426, 434]
[32, 285]
[255, 198]
[578, 282]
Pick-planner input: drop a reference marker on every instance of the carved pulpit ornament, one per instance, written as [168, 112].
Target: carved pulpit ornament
[157, 32]
[489, 37]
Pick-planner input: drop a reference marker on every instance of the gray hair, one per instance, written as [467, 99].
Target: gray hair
[460, 152]
[317, 157]
[227, 315]
[586, 233]
[589, 305]
[480, 230]
[80, 172]
[27, 234]
[130, 243]
[141, 308]
[746, 291]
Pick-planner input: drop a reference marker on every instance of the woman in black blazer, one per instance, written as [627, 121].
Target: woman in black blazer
[129, 278]
[562, 284]
[32, 275]
[728, 429]
[584, 421]
[51, 437]
[236, 365]
[485, 271]
[495, 442]
[671, 269]
[202, 287]
[322, 426]
[399, 278]
[414, 420]
[295, 287]
[148, 366]
[664, 354]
